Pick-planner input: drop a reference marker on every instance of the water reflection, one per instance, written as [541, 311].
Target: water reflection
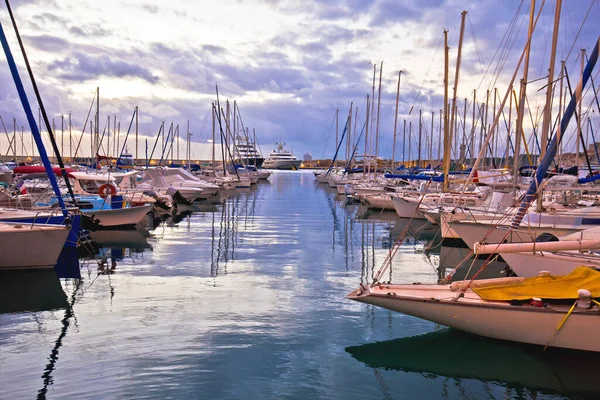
[30, 291]
[47, 377]
[460, 356]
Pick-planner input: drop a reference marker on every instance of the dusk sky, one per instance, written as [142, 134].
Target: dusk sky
[289, 64]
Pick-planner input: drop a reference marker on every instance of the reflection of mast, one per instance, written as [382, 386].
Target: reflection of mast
[47, 375]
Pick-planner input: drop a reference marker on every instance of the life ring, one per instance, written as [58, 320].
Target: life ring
[107, 189]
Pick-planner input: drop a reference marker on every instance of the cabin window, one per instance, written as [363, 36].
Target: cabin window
[89, 186]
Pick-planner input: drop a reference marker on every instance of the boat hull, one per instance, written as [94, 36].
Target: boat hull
[282, 164]
[474, 232]
[405, 208]
[118, 217]
[529, 265]
[497, 320]
[31, 247]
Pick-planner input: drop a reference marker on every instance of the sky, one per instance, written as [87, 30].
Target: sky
[288, 64]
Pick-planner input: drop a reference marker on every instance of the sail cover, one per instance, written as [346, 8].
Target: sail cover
[545, 287]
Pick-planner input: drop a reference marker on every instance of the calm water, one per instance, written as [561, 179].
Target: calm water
[246, 300]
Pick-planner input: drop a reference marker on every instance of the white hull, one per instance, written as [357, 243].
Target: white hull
[282, 164]
[25, 247]
[119, 216]
[529, 265]
[498, 320]
[406, 208]
[378, 202]
[474, 232]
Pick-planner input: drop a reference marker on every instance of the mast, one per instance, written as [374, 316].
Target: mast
[337, 111]
[213, 140]
[372, 115]
[549, 90]
[377, 129]
[404, 144]
[349, 137]
[410, 143]
[579, 110]
[136, 134]
[189, 148]
[396, 119]
[62, 134]
[552, 147]
[439, 147]
[510, 106]
[365, 168]
[70, 138]
[473, 128]
[14, 141]
[560, 107]
[431, 141]
[455, 89]
[522, 94]
[446, 122]
[420, 137]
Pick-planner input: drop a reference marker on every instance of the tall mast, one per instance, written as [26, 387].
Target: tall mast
[404, 144]
[446, 122]
[454, 90]
[431, 140]
[549, 86]
[439, 147]
[70, 139]
[522, 94]
[189, 148]
[366, 138]
[510, 106]
[213, 140]
[349, 135]
[372, 115]
[420, 137]
[560, 109]
[14, 142]
[62, 134]
[396, 119]
[410, 143]
[337, 111]
[378, 108]
[136, 134]
[473, 128]
[579, 109]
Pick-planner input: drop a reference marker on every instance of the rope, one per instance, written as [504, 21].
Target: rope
[561, 324]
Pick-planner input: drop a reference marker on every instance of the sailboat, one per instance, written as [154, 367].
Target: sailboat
[543, 310]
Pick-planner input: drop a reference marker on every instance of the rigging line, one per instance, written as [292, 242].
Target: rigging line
[202, 130]
[502, 63]
[328, 135]
[500, 45]
[580, 28]
[477, 48]
[7, 135]
[426, 74]
[85, 125]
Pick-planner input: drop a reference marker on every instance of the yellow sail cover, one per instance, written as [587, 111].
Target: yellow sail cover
[545, 287]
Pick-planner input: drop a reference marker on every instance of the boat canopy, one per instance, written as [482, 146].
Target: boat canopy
[545, 287]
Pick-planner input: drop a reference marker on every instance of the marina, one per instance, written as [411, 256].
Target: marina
[233, 302]
[444, 244]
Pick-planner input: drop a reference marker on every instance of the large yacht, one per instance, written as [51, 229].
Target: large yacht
[281, 158]
[247, 152]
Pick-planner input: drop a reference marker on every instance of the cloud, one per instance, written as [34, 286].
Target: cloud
[83, 67]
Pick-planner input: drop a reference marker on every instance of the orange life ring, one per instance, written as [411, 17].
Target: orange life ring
[107, 189]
